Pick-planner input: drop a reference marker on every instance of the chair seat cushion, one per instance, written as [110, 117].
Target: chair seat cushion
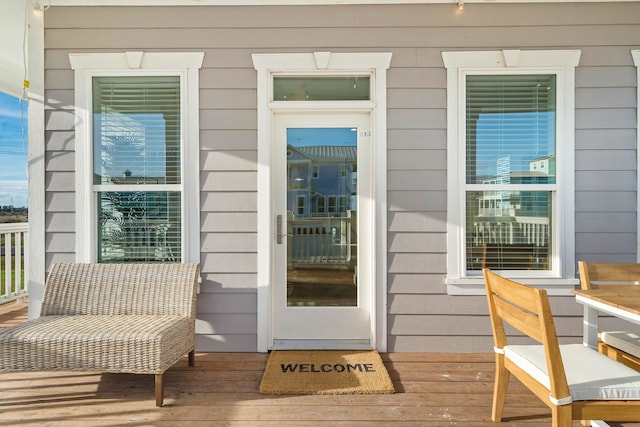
[629, 342]
[590, 375]
[144, 344]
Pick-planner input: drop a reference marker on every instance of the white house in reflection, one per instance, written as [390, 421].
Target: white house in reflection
[322, 181]
[511, 229]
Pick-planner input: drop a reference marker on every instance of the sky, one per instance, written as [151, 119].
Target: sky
[13, 151]
[305, 137]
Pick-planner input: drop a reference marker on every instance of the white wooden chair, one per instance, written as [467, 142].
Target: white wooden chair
[574, 381]
[623, 346]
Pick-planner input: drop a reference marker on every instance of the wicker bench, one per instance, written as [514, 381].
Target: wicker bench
[123, 318]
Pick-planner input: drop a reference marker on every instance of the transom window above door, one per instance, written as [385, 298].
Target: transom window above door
[321, 88]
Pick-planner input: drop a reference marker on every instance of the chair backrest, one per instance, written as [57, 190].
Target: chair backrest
[593, 275]
[526, 309]
[121, 289]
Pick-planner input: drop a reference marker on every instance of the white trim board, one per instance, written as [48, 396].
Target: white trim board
[295, 2]
[36, 202]
[635, 54]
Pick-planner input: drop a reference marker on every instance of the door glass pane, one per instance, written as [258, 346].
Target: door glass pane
[354, 88]
[322, 217]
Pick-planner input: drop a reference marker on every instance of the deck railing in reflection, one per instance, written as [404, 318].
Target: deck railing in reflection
[322, 241]
[14, 261]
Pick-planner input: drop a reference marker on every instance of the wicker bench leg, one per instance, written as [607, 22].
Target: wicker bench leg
[192, 358]
[159, 389]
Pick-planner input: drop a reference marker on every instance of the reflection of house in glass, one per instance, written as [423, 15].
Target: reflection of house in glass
[321, 180]
[511, 228]
[138, 226]
[322, 205]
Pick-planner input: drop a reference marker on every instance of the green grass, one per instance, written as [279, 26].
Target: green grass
[3, 275]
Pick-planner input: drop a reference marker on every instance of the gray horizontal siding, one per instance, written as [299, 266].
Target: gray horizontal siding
[420, 312]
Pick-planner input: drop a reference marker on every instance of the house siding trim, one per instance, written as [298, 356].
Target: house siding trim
[286, 2]
[635, 54]
[36, 162]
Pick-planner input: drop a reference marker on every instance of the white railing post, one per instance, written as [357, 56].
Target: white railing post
[14, 251]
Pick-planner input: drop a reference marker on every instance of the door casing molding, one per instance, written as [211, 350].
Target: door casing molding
[375, 64]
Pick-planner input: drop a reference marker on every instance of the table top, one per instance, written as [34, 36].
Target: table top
[623, 297]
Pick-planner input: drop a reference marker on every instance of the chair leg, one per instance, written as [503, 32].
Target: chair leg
[159, 390]
[499, 388]
[561, 416]
[192, 358]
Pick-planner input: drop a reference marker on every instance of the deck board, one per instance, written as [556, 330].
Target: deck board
[434, 390]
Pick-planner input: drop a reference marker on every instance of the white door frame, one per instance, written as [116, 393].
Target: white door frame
[324, 326]
[319, 63]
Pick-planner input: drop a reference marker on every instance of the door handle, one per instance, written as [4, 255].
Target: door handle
[279, 234]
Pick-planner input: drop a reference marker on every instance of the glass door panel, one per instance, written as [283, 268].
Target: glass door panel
[322, 216]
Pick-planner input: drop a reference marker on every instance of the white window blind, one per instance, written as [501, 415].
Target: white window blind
[137, 168]
[510, 147]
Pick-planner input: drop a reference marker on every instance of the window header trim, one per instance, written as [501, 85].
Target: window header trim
[512, 58]
[136, 60]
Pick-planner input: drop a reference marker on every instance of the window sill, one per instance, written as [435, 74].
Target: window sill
[475, 285]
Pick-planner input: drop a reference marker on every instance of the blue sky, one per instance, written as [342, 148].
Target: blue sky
[13, 151]
[305, 137]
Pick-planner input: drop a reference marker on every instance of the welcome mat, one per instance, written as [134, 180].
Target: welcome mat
[325, 372]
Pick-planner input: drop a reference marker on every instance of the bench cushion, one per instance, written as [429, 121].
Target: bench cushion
[590, 375]
[145, 344]
[629, 342]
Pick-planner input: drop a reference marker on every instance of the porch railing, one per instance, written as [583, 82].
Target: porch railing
[512, 231]
[322, 241]
[14, 261]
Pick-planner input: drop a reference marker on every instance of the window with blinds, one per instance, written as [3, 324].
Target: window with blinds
[137, 168]
[510, 170]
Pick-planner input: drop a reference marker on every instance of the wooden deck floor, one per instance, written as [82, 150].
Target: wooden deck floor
[433, 390]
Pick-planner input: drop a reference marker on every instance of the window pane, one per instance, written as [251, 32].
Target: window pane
[139, 227]
[136, 130]
[355, 88]
[508, 230]
[510, 129]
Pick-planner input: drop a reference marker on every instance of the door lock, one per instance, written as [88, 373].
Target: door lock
[279, 234]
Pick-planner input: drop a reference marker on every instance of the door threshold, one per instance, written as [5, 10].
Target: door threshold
[293, 344]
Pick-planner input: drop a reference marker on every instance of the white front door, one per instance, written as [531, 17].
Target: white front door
[322, 195]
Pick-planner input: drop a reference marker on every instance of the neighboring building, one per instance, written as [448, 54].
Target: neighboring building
[503, 135]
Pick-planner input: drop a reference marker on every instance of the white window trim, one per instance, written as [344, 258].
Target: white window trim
[321, 63]
[561, 278]
[186, 65]
[635, 54]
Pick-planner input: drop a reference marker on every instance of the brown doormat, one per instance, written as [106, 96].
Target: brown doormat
[325, 372]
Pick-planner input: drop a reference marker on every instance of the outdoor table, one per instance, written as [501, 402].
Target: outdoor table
[622, 301]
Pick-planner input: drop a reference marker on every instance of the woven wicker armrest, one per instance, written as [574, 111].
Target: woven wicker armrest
[129, 318]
